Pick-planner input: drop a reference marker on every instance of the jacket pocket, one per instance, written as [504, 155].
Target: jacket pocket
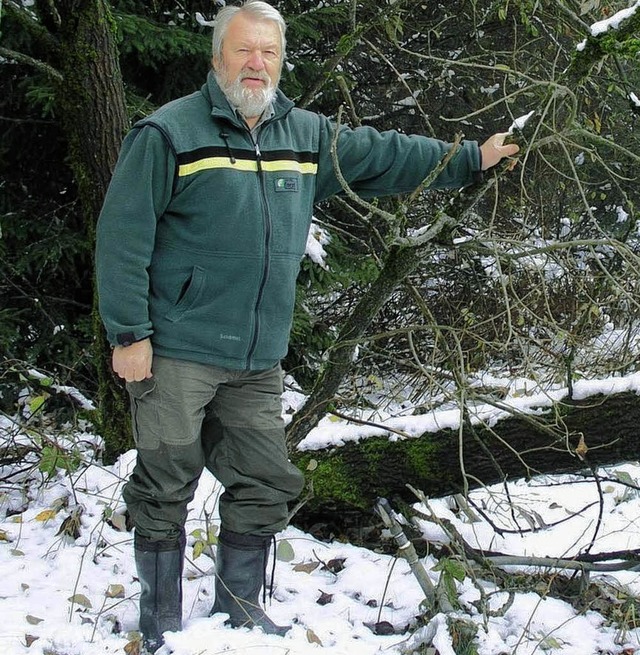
[192, 291]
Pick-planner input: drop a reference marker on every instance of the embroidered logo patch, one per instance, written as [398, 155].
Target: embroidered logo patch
[229, 337]
[284, 184]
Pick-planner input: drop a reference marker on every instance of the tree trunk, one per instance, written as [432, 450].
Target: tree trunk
[400, 263]
[354, 475]
[94, 117]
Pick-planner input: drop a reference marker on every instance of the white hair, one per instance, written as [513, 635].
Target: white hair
[259, 9]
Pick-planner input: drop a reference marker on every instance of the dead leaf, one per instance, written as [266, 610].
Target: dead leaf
[80, 599]
[29, 639]
[116, 626]
[33, 620]
[70, 527]
[312, 637]
[60, 503]
[384, 628]
[335, 565]
[115, 591]
[381, 628]
[134, 647]
[4, 536]
[582, 449]
[324, 598]
[306, 567]
[118, 522]
[17, 553]
[46, 515]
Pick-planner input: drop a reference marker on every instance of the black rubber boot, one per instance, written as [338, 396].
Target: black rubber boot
[159, 565]
[240, 575]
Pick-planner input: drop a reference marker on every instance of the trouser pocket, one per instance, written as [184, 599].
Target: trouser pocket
[140, 410]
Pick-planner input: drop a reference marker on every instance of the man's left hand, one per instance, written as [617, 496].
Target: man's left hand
[494, 150]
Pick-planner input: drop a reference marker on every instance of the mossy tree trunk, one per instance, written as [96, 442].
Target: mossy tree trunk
[94, 117]
[447, 462]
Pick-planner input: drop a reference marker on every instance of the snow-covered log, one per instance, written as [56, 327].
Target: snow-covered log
[569, 436]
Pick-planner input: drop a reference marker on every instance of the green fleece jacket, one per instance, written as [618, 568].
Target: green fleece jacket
[203, 227]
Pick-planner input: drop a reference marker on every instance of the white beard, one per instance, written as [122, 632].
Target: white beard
[251, 103]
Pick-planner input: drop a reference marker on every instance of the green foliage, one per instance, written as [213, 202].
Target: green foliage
[54, 458]
[40, 94]
[285, 551]
[164, 54]
[451, 571]
[205, 541]
[50, 427]
[315, 320]
[312, 32]
[45, 256]
[155, 45]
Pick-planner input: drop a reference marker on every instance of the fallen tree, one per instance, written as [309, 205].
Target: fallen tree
[569, 436]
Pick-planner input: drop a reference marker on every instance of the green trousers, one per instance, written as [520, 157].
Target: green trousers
[189, 416]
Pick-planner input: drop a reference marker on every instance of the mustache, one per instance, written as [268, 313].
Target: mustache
[260, 75]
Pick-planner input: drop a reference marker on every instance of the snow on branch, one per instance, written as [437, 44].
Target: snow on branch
[613, 22]
[624, 23]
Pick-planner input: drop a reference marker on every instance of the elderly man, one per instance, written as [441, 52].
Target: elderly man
[199, 245]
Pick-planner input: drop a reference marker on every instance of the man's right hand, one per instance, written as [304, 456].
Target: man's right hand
[133, 363]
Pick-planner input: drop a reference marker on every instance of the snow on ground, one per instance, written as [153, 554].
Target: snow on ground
[60, 596]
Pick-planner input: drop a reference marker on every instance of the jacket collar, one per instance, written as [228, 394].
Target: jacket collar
[220, 106]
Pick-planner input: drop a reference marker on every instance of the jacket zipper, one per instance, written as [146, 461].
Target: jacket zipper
[267, 263]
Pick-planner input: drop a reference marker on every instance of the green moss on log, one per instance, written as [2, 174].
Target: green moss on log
[622, 41]
[357, 473]
[518, 446]
[423, 457]
[331, 479]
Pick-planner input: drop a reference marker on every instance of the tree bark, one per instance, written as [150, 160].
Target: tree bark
[94, 118]
[351, 477]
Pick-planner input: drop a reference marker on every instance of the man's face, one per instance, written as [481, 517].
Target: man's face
[249, 70]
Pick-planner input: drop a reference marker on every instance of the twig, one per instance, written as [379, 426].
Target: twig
[584, 562]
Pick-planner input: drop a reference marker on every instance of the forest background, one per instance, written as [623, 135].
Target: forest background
[415, 304]
[502, 299]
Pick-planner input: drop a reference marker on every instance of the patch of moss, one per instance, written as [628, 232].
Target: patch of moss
[422, 457]
[374, 452]
[332, 479]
